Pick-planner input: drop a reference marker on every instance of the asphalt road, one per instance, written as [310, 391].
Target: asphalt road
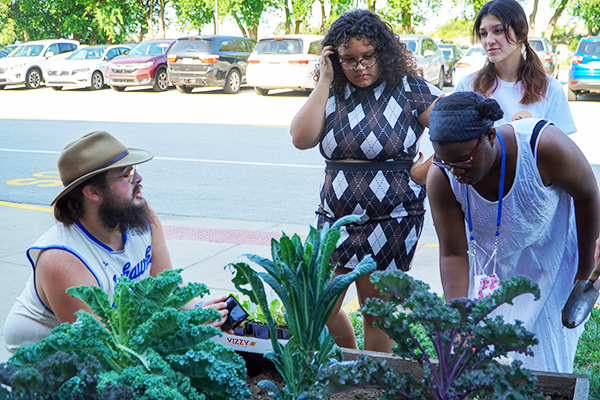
[216, 155]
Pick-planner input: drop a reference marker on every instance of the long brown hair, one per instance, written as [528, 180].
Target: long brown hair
[531, 71]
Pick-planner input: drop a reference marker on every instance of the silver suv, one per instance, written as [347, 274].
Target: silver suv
[27, 63]
[547, 54]
[430, 61]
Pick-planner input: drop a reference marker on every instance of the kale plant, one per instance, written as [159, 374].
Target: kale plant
[146, 342]
[301, 275]
[467, 340]
[60, 376]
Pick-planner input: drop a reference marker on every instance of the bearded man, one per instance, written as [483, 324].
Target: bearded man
[105, 230]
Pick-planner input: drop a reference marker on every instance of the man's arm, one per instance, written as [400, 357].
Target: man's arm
[562, 163]
[161, 259]
[55, 272]
[450, 227]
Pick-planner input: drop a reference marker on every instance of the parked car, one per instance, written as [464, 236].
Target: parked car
[26, 64]
[144, 65]
[451, 53]
[284, 62]
[86, 67]
[430, 61]
[9, 48]
[584, 73]
[547, 54]
[202, 60]
[473, 60]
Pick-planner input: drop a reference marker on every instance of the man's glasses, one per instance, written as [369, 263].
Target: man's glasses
[366, 61]
[462, 164]
[129, 175]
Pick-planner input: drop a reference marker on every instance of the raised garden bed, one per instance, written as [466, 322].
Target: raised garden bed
[554, 386]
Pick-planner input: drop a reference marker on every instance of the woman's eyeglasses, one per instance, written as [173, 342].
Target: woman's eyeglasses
[366, 61]
[462, 164]
[129, 175]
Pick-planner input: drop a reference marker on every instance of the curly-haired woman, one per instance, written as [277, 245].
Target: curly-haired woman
[514, 75]
[367, 114]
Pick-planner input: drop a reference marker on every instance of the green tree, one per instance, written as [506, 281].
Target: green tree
[8, 32]
[408, 13]
[194, 14]
[247, 14]
[455, 28]
[589, 12]
[560, 6]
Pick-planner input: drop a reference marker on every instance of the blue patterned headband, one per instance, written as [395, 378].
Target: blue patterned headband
[462, 116]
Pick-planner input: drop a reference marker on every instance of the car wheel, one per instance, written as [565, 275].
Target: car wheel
[233, 82]
[56, 87]
[2, 87]
[97, 80]
[261, 91]
[118, 88]
[440, 84]
[571, 94]
[161, 81]
[33, 79]
[184, 89]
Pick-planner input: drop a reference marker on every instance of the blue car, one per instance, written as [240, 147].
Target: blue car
[584, 74]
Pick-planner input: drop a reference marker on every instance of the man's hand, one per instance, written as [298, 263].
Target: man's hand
[597, 253]
[220, 305]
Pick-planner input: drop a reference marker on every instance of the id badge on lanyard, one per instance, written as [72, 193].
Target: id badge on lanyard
[486, 284]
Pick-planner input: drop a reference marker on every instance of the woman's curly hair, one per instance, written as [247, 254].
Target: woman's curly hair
[394, 58]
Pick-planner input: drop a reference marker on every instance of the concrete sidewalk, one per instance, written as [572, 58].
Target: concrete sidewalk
[202, 247]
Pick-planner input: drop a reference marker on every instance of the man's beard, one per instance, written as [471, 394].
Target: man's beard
[129, 216]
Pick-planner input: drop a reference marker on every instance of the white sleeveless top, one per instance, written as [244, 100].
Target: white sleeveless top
[538, 240]
[30, 320]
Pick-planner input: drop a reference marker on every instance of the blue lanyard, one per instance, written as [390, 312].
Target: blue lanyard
[500, 195]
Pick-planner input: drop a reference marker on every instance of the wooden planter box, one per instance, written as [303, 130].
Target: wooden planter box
[555, 385]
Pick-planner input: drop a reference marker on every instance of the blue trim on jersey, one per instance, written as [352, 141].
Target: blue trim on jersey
[99, 243]
[57, 248]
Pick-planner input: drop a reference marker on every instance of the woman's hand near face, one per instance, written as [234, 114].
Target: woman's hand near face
[326, 66]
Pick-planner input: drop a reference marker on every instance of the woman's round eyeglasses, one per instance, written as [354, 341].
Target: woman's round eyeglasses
[366, 61]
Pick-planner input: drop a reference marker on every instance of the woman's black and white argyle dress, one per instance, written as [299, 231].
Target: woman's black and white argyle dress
[377, 124]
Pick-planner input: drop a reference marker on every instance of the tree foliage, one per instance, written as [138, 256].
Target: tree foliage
[589, 12]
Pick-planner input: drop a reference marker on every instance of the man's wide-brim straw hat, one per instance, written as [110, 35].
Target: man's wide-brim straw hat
[91, 155]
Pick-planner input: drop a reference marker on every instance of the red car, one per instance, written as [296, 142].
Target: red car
[144, 65]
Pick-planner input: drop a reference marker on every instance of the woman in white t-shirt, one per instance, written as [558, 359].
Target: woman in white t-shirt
[514, 75]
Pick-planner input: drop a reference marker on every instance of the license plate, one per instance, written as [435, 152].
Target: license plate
[188, 80]
[187, 61]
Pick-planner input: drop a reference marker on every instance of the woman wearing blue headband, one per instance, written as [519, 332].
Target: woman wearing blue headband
[517, 199]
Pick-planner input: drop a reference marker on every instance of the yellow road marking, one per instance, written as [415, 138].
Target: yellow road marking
[27, 207]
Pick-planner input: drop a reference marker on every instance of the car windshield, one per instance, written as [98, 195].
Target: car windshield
[192, 46]
[9, 48]
[475, 52]
[149, 49]
[28, 50]
[284, 46]
[412, 45]
[537, 45]
[589, 48]
[447, 53]
[87, 53]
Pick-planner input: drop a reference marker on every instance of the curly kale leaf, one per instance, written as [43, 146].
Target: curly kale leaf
[60, 376]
